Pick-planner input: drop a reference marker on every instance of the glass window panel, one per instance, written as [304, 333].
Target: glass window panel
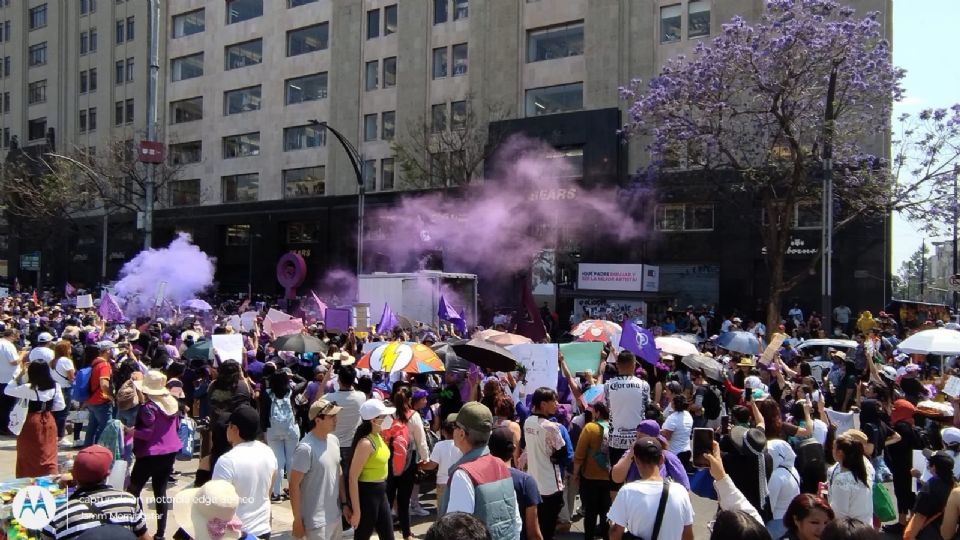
[390, 72]
[302, 137]
[37, 92]
[390, 20]
[304, 232]
[83, 121]
[698, 217]
[670, 23]
[669, 217]
[93, 79]
[555, 42]
[38, 17]
[439, 62]
[189, 23]
[187, 67]
[386, 178]
[307, 40]
[128, 105]
[295, 3]
[370, 127]
[92, 115]
[440, 11]
[240, 188]
[241, 100]
[554, 99]
[458, 115]
[373, 23]
[242, 10]
[698, 18]
[118, 32]
[461, 9]
[248, 53]
[305, 182]
[130, 25]
[459, 59]
[246, 144]
[130, 69]
[373, 69]
[36, 129]
[307, 88]
[93, 39]
[83, 82]
[809, 215]
[185, 192]
[370, 175]
[186, 153]
[387, 127]
[38, 54]
[236, 235]
[438, 117]
[187, 110]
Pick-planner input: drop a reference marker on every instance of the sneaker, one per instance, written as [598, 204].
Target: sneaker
[276, 498]
[348, 533]
[419, 511]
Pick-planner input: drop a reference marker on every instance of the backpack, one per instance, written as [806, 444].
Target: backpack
[401, 446]
[811, 463]
[281, 410]
[82, 389]
[602, 455]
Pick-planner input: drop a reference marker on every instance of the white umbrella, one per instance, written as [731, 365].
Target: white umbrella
[936, 341]
[675, 345]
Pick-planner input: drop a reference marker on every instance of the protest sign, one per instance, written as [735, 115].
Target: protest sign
[952, 388]
[234, 322]
[248, 321]
[285, 328]
[274, 316]
[228, 346]
[581, 356]
[337, 319]
[85, 301]
[540, 361]
[772, 348]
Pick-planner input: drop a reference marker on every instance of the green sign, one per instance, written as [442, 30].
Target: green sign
[30, 261]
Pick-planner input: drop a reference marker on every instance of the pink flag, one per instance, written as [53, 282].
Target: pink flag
[109, 309]
[321, 307]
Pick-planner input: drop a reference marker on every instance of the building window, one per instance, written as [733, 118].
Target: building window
[303, 233]
[129, 69]
[459, 59]
[307, 40]
[386, 173]
[38, 17]
[186, 110]
[305, 182]
[6, 137]
[439, 11]
[7, 31]
[185, 192]
[93, 79]
[187, 67]
[438, 118]
[93, 39]
[38, 54]
[189, 23]
[241, 100]
[373, 68]
[390, 72]
[307, 88]
[92, 119]
[240, 188]
[37, 92]
[698, 18]
[242, 10]
[248, 53]
[128, 105]
[243, 145]
[295, 3]
[6, 102]
[458, 115]
[236, 235]
[370, 175]
[36, 129]
[461, 9]
[303, 137]
[6, 66]
[118, 72]
[809, 215]
[84, 6]
[84, 43]
[387, 125]
[439, 62]
[670, 23]
[554, 99]
[130, 21]
[118, 113]
[555, 42]
[186, 153]
[118, 32]
[572, 156]
[390, 20]
[370, 127]
[83, 82]
[684, 217]
[373, 23]
[83, 121]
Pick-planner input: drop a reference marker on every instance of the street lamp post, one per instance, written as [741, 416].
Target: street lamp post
[358, 169]
[106, 217]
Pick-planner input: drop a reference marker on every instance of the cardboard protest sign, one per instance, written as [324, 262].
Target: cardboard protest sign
[772, 348]
[285, 328]
[581, 356]
[228, 346]
[85, 301]
[540, 361]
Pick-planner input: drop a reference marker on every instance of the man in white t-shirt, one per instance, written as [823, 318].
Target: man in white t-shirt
[250, 466]
[544, 442]
[635, 509]
[9, 358]
[627, 397]
[444, 455]
[841, 315]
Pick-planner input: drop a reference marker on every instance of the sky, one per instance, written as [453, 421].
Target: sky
[925, 40]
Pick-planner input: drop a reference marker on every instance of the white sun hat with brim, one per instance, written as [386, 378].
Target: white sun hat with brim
[209, 512]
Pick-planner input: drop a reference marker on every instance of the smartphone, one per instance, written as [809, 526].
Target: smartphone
[725, 424]
[702, 444]
[747, 395]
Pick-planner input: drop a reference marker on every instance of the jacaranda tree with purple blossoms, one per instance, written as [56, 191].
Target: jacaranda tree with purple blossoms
[767, 103]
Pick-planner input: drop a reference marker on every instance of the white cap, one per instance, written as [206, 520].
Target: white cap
[44, 337]
[373, 408]
[950, 435]
[754, 383]
[41, 354]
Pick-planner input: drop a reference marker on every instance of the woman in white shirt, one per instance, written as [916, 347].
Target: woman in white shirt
[784, 484]
[677, 429]
[37, 441]
[850, 481]
[63, 371]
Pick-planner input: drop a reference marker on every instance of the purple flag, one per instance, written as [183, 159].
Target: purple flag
[337, 319]
[109, 309]
[446, 312]
[388, 321]
[640, 342]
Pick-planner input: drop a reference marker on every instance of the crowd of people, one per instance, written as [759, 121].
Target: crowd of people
[786, 451]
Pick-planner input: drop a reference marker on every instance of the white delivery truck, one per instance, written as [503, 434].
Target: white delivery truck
[416, 296]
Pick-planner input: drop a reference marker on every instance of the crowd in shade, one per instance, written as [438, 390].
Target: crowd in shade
[854, 439]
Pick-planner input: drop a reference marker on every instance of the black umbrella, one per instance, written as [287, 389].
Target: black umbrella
[300, 343]
[450, 359]
[486, 355]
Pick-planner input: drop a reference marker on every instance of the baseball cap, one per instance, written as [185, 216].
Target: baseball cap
[324, 407]
[647, 449]
[41, 354]
[373, 408]
[475, 416]
[247, 421]
[651, 428]
[950, 435]
[92, 464]
[44, 337]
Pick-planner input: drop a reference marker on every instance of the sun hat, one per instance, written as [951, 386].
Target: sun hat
[209, 512]
[154, 386]
[373, 408]
[746, 361]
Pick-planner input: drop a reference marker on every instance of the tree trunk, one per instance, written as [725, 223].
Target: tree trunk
[775, 292]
